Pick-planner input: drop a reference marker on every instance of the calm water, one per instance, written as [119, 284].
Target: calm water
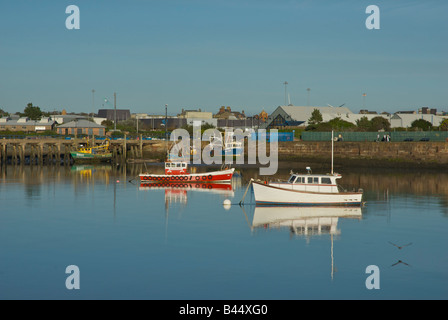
[136, 242]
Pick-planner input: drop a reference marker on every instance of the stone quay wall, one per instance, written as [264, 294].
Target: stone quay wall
[368, 154]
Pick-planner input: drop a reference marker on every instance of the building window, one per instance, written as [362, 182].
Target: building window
[279, 121]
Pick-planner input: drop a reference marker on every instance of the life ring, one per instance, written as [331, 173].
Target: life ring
[209, 186]
[197, 178]
[204, 178]
[209, 177]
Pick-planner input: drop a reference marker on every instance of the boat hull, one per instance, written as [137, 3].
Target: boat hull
[88, 157]
[224, 187]
[265, 194]
[215, 176]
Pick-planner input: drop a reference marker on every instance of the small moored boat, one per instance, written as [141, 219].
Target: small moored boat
[305, 190]
[100, 153]
[176, 171]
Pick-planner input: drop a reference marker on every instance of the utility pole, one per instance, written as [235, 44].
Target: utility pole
[93, 113]
[93, 103]
[309, 89]
[286, 84]
[166, 119]
[115, 111]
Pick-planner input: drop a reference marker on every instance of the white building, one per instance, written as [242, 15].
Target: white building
[404, 120]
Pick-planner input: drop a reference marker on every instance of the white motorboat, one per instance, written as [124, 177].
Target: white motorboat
[306, 190]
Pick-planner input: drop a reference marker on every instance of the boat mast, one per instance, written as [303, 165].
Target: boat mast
[332, 146]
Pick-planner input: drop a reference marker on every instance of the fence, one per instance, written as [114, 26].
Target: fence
[377, 136]
[281, 136]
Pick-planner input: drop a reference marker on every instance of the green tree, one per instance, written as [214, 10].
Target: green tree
[444, 125]
[339, 124]
[380, 123]
[316, 117]
[364, 124]
[3, 113]
[32, 112]
[421, 124]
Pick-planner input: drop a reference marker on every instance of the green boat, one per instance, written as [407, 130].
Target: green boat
[99, 153]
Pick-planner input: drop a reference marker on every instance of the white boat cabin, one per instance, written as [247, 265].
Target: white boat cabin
[175, 167]
[323, 183]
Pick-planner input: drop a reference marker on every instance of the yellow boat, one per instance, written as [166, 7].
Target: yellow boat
[100, 153]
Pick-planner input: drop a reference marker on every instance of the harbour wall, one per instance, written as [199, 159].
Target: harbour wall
[361, 154]
[368, 154]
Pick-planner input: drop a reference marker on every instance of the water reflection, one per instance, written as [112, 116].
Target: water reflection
[178, 192]
[304, 222]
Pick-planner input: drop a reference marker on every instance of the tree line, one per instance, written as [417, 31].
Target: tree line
[316, 123]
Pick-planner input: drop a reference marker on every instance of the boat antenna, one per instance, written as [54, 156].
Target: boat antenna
[332, 146]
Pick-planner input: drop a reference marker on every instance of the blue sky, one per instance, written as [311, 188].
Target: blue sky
[204, 54]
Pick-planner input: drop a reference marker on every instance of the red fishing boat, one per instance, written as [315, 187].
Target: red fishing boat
[176, 171]
[223, 187]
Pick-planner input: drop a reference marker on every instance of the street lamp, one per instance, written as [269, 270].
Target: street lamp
[166, 120]
[308, 89]
[93, 103]
[286, 84]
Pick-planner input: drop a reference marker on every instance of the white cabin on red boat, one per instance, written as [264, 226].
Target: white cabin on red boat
[175, 168]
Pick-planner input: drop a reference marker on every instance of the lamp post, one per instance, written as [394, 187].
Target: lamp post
[93, 103]
[166, 120]
[286, 84]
